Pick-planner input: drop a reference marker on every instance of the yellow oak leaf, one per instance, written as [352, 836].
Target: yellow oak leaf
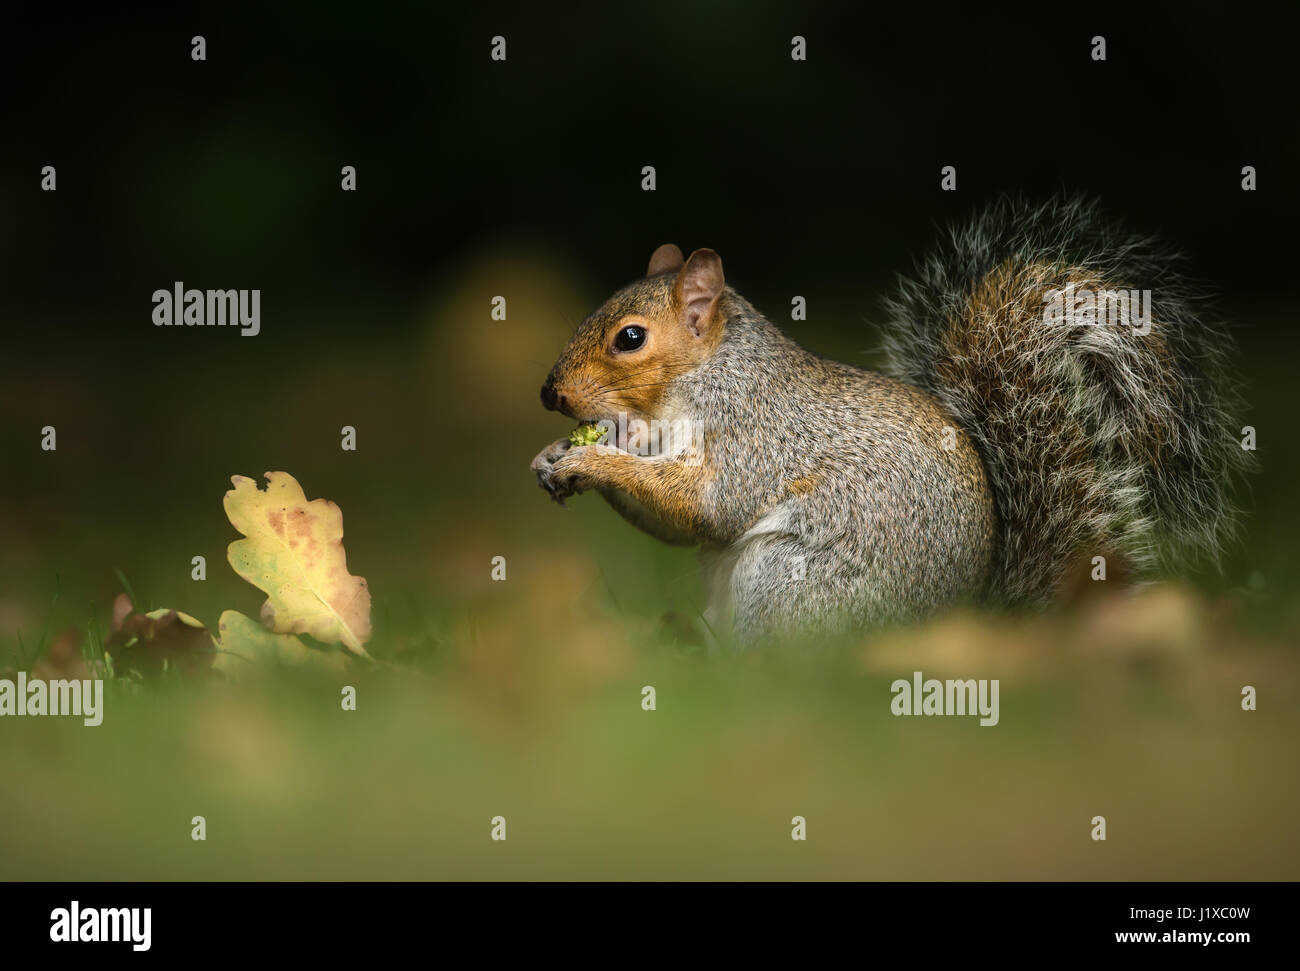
[293, 550]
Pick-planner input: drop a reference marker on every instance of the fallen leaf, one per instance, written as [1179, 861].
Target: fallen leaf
[246, 647]
[147, 642]
[121, 610]
[293, 551]
[1165, 620]
[63, 660]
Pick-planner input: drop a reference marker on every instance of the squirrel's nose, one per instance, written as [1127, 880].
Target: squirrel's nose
[549, 398]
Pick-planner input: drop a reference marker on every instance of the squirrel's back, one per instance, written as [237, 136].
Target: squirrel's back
[1094, 385]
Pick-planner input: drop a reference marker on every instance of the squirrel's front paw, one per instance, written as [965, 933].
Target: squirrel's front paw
[557, 470]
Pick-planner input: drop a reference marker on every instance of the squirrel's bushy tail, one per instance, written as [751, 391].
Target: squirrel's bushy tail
[1097, 439]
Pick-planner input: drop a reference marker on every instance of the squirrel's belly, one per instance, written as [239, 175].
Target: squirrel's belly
[896, 527]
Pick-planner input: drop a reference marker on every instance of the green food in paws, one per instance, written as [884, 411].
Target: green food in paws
[588, 434]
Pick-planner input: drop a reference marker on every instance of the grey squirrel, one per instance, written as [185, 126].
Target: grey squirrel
[1035, 413]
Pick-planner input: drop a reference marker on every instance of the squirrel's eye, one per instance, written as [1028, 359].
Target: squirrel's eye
[629, 338]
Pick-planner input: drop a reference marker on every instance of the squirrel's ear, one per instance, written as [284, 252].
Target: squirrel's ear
[666, 259]
[699, 285]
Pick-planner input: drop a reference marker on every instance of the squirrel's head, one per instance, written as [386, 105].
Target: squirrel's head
[624, 357]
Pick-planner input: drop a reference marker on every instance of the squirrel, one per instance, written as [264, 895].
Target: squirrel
[1021, 427]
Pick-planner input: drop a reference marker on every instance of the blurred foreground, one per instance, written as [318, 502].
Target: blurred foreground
[1129, 710]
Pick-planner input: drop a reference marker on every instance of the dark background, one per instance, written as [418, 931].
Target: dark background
[226, 172]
